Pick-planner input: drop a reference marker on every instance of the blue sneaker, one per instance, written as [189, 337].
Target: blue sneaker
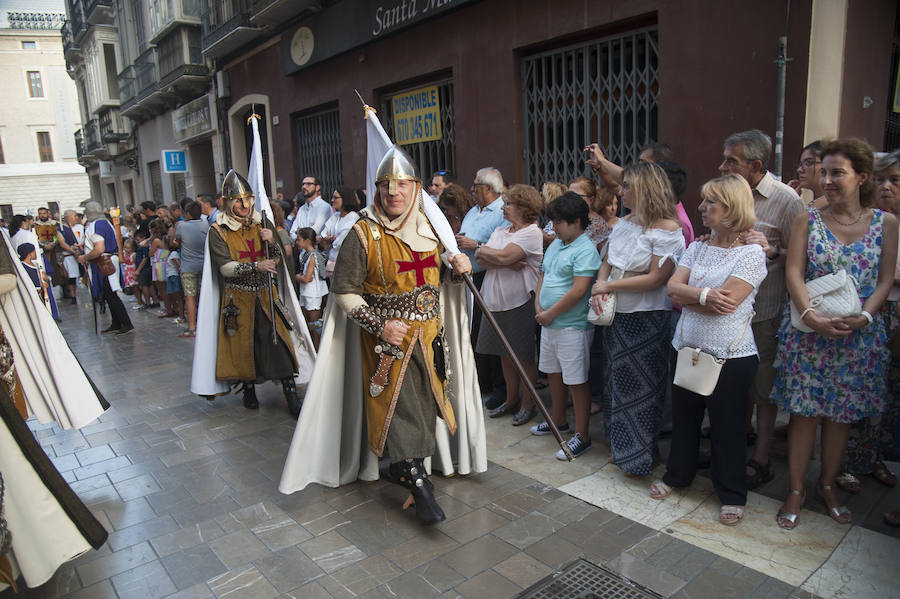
[577, 446]
[544, 429]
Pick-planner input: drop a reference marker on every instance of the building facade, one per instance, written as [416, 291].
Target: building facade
[38, 157]
[524, 85]
[148, 122]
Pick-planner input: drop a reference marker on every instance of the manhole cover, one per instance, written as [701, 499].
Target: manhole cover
[583, 580]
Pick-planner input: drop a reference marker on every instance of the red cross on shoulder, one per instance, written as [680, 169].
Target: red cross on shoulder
[417, 264]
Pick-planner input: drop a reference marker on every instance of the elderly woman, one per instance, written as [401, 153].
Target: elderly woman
[836, 374]
[512, 257]
[871, 439]
[455, 202]
[645, 246]
[716, 283]
[345, 204]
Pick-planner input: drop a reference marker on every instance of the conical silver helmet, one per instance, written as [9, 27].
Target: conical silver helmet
[235, 187]
[396, 166]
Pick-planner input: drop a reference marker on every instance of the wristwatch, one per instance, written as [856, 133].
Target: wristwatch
[777, 252]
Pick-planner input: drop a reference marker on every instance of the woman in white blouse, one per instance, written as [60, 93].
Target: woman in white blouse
[345, 204]
[716, 282]
[645, 246]
[512, 257]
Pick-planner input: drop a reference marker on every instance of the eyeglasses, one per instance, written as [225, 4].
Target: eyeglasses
[808, 163]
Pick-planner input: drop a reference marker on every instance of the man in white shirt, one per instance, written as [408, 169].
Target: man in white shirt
[315, 211]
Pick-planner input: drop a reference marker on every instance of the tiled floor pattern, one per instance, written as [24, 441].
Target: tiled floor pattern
[187, 489]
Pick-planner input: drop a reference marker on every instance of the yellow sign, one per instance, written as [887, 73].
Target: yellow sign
[417, 116]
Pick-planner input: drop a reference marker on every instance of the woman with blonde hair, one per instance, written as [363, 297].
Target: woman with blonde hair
[716, 283]
[644, 248]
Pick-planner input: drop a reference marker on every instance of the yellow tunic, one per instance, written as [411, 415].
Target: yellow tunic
[241, 296]
[394, 275]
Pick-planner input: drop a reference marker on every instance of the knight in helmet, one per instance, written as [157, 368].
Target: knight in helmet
[246, 351]
[388, 278]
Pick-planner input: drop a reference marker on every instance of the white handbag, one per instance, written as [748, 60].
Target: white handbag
[604, 316]
[699, 371]
[833, 295]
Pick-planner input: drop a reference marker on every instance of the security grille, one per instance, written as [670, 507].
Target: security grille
[429, 156]
[892, 122]
[319, 143]
[605, 90]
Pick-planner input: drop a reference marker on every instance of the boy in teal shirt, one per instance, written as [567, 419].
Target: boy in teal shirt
[561, 308]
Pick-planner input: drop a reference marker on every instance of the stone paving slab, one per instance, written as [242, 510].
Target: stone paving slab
[188, 490]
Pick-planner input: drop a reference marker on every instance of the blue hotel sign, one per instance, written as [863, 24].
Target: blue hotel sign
[174, 161]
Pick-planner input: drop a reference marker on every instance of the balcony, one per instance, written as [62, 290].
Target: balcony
[71, 50]
[143, 96]
[166, 15]
[91, 138]
[113, 128]
[272, 13]
[127, 87]
[227, 27]
[182, 69]
[79, 145]
[76, 19]
[99, 12]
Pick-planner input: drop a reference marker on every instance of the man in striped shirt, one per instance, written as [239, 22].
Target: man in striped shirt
[747, 154]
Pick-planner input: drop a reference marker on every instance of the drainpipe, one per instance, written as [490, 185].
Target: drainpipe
[781, 61]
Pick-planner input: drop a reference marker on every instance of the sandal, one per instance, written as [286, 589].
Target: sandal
[882, 474]
[659, 490]
[761, 474]
[503, 410]
[523, 416]
[848, 482]
[840, 513]
[188, 334]
[892, 518]
[788, 520]
[731, 515]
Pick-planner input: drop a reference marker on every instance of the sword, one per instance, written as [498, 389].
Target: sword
[486, 314]
[265, 223]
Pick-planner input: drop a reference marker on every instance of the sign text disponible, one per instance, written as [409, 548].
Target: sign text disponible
[417, 115]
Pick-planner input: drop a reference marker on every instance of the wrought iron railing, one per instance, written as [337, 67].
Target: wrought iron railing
[127, 85]
[221, 18]
[76, 17]
[112, 126]
[91, 136]
[79, 144]
[146, 73]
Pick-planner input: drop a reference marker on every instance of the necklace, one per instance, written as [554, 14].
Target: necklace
[858, 218]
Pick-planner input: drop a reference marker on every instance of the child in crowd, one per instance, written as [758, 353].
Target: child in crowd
[561, 308]
[311, 285]
[28, 256]
[174, 292]
[129, 279]
[142, 271]
[159, 253]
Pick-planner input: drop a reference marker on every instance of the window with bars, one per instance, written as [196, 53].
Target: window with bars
[45, 151]
[35, 88]
[319, 148]
[603, 91]
[428, 156]
[6, 212]
[29, 45]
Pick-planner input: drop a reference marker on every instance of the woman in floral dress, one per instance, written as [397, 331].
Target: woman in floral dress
[837, 373]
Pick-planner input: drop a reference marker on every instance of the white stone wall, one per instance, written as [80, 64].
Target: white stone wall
[34, 189]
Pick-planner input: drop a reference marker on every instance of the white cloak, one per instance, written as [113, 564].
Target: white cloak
[203, 375]
[329, 446]
[55, 386]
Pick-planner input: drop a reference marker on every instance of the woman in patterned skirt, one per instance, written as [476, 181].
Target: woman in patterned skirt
[837, 373]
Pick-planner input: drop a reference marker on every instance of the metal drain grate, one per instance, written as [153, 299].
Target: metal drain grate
[583, 580]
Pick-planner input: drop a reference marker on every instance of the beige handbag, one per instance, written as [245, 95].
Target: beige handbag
[604, 317]
[699, 371]
[833, 295]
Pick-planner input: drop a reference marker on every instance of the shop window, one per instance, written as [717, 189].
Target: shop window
[35, 87]
[433, 155]
[45, 151]
[603, 91]
[319, 148]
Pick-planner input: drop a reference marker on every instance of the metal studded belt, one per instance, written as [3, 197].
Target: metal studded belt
[251, 281]
[423, 303]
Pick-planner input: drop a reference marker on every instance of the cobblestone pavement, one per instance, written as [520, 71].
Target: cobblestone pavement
[188, 490]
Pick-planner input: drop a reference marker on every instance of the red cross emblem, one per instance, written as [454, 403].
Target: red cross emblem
[417, 264]
[46, 234]
[253, 254]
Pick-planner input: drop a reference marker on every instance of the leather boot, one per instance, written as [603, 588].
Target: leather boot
[250, 401]
[290, 394]
[411, 474]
